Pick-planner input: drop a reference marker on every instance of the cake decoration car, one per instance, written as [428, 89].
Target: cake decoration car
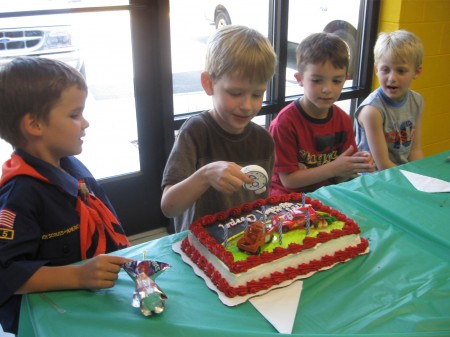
[296, 219]
[255, 236]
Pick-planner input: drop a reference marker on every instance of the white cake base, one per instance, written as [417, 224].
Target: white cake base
[237, 299]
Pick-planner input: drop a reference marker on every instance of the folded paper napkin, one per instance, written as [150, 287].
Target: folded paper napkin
[427, 184]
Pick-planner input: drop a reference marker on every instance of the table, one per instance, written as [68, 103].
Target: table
[401, 288]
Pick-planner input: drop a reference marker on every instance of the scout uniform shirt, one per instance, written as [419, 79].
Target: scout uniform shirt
[49, 217]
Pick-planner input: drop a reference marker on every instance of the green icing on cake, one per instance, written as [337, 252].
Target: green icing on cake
[293, 236]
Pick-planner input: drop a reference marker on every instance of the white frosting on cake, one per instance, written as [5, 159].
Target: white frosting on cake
[265, 270]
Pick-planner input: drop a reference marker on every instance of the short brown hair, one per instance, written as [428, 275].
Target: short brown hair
[32, 85]
[321, 47]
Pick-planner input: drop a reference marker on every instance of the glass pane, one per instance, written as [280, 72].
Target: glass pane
[110, 146]
[345, 105]
[99, 45]
[335, 16]
[191, 24]
[33, 5]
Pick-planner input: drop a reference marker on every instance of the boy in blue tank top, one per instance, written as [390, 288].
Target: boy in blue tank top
[388, 123]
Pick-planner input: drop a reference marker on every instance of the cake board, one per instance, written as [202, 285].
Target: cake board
[283, 320]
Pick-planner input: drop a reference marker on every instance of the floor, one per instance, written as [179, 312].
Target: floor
[147, 236]
[4, 334]
[134, 240]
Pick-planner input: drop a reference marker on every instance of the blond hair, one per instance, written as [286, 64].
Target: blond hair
[400, 45]
[240, 50]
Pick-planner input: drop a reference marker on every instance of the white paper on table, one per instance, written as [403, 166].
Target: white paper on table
[279, 306]
[427, 184]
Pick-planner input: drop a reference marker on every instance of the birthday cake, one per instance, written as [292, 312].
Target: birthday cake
[257, 246]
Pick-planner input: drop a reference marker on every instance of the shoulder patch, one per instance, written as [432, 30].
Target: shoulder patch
[6, 234]
[7, 218]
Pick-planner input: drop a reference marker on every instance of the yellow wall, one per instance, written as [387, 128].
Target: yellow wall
[430, 21]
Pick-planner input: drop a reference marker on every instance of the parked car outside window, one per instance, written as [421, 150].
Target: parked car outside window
[50, 36]
[305, 17]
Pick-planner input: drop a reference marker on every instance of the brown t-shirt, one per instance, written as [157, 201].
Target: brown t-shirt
[201, 141]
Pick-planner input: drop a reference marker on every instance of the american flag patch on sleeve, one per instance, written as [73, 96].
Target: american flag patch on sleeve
[7, 218]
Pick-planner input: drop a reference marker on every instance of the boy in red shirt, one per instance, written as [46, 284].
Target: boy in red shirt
[314, 141]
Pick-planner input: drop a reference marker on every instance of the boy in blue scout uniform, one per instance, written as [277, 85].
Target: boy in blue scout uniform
[52, 211]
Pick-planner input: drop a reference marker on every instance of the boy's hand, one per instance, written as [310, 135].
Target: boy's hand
[226, 177]
[348, 165]
[369, 160]
[100, 272]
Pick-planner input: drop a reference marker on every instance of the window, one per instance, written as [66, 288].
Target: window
[191, 25]
[103, 54]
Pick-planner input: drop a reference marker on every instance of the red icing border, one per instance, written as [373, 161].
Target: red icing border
[275, 278]
[197, 228]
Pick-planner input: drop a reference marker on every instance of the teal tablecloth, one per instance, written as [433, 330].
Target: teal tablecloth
[401, 288]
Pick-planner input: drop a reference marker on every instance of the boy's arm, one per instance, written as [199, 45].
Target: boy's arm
[416, 148]
[305, 177]
[372, 122]
[225, 177]
[342, 168]
[98, 273]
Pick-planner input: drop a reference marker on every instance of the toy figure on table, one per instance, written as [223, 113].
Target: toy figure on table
[148, 295]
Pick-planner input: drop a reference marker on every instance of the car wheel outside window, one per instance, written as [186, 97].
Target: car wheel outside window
[222, 19]
[348, 33]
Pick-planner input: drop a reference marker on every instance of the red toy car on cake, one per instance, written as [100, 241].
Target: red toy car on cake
[296, 219]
